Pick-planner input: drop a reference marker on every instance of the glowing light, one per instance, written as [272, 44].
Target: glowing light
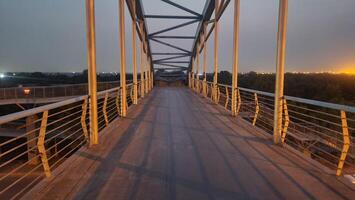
[26, 91]
[2, 75]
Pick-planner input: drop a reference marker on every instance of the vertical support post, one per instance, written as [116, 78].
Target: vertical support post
[123, 58]
[257, 108]
[280, 69]
[91, 45]
[346, 142]
[239, 101]
[142, 61]
[84, 109]
[104, 109]
[287, 121]
[40, 144]
[134, 55]
[205, 59]
[146, 71]
[198, 68]
[235, 56]
[216, 44]
[192, 73]
[227, 97]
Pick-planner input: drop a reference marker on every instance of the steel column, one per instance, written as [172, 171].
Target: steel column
[280, 69]
[142, 62]
[134, 55]
[205, 59]
[123, 58]
[235, 56]
[91, 45]
[216, 43]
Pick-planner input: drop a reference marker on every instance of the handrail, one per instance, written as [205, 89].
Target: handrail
[15, 116]
[300, 100]
[321, 130]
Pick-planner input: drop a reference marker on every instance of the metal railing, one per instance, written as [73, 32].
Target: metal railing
[36, 141]
[52, 91]
[322, 131]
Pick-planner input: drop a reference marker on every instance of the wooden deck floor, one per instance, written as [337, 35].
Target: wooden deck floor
[177, 145]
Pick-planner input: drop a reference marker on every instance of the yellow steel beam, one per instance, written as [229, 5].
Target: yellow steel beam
[235, 56]
[287, 121]
[227, 97]
[205, 59]
[91, 45]
[40, 144]
[134, 55]
[142, 63]
[216, 44]
[346, 142]
[239, 101]
[123, 58]
[257, 108]
[280, 69]
[84, 109]
[104, 109]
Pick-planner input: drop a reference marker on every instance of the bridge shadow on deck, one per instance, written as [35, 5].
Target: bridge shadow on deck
[177, 145]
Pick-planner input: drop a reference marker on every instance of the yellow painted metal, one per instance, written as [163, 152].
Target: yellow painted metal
[192, 74]
[123, 57]
[216, 44]
[134, 55]
[235, 56]
[205, 60]
[104, 109]
[287, 121]
[142, 62]
[198, 67]
[227, 97]
[131, 91]
[239, 101]
[118, 102]
[218, 94]
[91, 45]
[257, 108]
[84, 109]
[146, 74]
[40, 144]
[280, 70]
[346, 142]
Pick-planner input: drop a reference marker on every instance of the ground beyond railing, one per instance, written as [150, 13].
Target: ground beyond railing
[52, 91]
[322, 131]
[40, 139]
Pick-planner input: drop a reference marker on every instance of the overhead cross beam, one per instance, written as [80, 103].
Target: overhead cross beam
[170, 58]
[170, 45]
[174, 27]
[173, 37]
[182, 8]
[171, 17]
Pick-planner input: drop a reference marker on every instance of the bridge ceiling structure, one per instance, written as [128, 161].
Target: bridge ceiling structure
[175, 44]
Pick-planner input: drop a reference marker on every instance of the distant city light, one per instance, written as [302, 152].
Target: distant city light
[26, 91]
[2, 75]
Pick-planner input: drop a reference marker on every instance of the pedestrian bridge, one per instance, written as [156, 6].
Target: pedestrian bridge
[205, 140]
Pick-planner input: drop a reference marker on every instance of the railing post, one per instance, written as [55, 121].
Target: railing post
[91, 43]
[104, 109]
[134, 45]
[257, 108]
[40, 144]
[198, 67]
[235, 56]
[346, 142]
[216, 44]
[280, 69]
[123, 57]
[227, 97]
[84, 108]
[287, 121]
[239, 101]
[192, 74]
[118, 102]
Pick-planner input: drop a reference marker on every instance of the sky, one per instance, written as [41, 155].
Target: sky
[50, 35]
